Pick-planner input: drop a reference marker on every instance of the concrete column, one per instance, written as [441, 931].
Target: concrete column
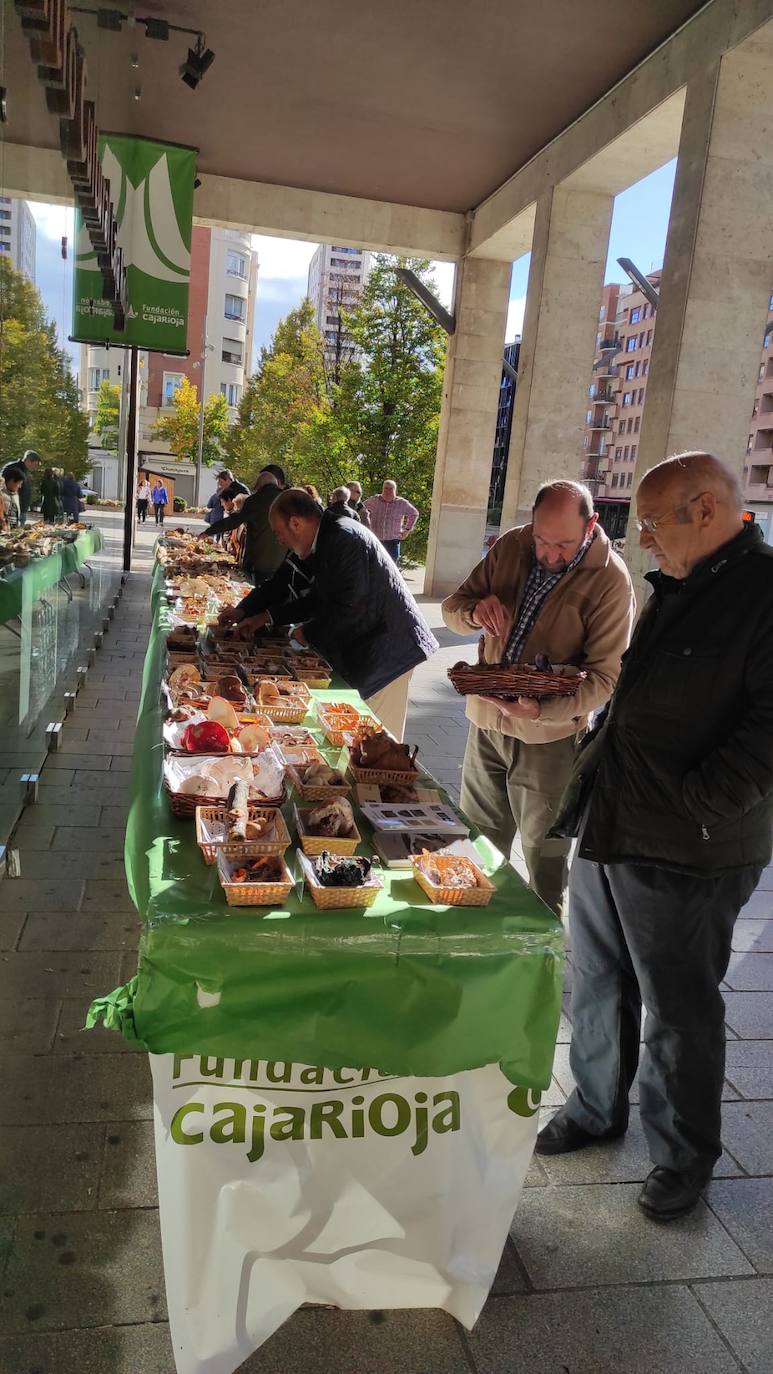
[566, 276]
[467, 423]
[718, 269]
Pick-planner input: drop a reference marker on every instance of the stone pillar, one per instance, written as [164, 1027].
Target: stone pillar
[717, 272]
[555, 367]
[467, 423]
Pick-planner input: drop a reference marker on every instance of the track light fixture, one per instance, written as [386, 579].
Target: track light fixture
[199, 61]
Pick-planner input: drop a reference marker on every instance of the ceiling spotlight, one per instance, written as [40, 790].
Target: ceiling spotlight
[199, 61]
[109, 19]
[157, 28]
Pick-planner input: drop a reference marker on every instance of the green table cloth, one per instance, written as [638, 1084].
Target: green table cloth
[41, 574]
[408, 987]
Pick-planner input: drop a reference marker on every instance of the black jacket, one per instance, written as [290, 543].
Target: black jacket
[680, 773]
[358, 612]
[25, 490]
[263, 553]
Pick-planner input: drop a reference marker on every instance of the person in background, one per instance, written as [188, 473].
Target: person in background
[50, 503]
[671, 801]
[358, 612]
[313, 493]
[143, 497]
[554, 588]
[29, 466]
[339, 505]
[11, 484]
[262, 551]
[160, 499]
[71, 498]
[391, 518]
[356, 502]
[223, 480]
[235, 539]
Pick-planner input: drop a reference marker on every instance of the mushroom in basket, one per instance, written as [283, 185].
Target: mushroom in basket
[376, 749]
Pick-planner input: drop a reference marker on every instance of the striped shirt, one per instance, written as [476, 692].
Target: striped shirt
[539, 585]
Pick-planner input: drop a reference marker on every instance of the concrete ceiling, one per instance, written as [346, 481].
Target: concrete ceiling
[432, 103]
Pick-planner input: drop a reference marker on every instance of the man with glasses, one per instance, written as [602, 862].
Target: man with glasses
[673, 801]
[555, 588]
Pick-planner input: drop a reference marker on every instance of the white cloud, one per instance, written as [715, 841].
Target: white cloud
[514, 324]
[282, 258]
[52, 221]
[444, 278]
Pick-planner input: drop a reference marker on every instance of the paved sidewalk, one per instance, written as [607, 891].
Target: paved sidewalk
[587, 1285]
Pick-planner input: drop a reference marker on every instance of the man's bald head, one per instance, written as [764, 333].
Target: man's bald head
[688, 507]
[565, 495]
[688, 474]
[562, 520]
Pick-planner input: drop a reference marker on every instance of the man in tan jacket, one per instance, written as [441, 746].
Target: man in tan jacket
[553, 587]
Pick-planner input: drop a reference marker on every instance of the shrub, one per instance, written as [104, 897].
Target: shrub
[179, 503]
[91, 498]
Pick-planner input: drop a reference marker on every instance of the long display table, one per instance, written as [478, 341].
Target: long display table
[27, 585]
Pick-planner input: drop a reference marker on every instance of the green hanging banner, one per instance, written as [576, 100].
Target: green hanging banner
[151, 187]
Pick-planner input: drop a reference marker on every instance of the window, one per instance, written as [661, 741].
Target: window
[235, 308]
[759, 475]
[625, 454]
[636, 315]
[5, 214]
[626, 398]
[631, 344]
[629, 480]
[770, 302]
[618, 454]
[592, 390]
[5, 231]
[98, 375]
[650, 332]
[630, 373]
[641, 395]
[233, 351]
[645, 367]
[629, 426]
[633, 453]
[232, 392]
[236, 265]
[636, 424]
[615, 478]
[336, 249]
[172, 383]
[749, 444]
[5, 247]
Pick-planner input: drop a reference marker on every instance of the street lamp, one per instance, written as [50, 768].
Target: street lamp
[206, 348]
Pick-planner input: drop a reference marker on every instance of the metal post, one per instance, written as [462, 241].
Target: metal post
[131, 458]
[202, 398]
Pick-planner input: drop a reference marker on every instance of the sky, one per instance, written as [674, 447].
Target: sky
[639, 226]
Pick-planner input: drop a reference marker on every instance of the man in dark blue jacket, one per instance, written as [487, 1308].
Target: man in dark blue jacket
[358, 612]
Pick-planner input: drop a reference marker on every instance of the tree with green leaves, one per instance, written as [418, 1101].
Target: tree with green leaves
[108, 413]
[179, 425]
[39, 401]
[281, 399]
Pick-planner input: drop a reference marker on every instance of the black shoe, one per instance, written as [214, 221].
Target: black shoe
[667, 1195]
[562, 1135]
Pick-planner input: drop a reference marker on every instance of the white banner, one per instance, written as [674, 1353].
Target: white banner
[281, 1184]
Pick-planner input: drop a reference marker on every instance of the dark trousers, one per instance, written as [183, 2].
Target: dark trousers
[645, 935]
[392, 547]
[142, 509]
[159, 510]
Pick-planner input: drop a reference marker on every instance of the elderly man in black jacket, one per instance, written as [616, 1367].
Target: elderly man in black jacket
[674, 799]
[358, 612]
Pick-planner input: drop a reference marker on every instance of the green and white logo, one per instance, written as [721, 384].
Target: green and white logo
[151, 187]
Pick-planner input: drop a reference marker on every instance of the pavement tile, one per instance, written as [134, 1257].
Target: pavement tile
[96, 692]
[108, 896]
[749, 972]
[76, 930]
[628, 1330]
[742, 1308]
[416, 1342]
[144, 1349]
[121, 758]
[52, 974]
[750, 1067]
[761, 902]
[128, 1166]
[745, 1208]
[109, 788]
[109, 838]
[62, 793]
[756, 936]
[747, 1131]
[71, 1269]
[89, 861]
[571, 1237]
[617, 1161]
[73, 1039]
[749, 1014]
[765, 883]
[49, 1168]
[11, 927]
[41, 894]
[50, 1089]
[79, 759]
[28, 1025]
[37, 833]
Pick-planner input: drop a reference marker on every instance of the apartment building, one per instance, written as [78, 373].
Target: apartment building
[18, 235]
[758, 464]
[504, 426]
[337, 278]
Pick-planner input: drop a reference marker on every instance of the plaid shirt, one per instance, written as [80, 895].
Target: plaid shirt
[539, 585]
[391, 519]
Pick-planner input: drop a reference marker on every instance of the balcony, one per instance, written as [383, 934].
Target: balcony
[603, 424]
[610, 345]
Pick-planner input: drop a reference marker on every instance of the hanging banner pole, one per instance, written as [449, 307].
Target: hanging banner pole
[131, 459]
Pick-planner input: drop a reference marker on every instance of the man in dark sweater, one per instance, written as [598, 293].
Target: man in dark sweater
[29, 466]
[673, 801]
[358, 612]
[262, 551]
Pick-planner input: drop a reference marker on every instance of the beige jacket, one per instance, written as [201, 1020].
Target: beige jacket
[585, 620]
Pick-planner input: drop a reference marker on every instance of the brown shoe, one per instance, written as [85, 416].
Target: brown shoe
[562, 1135]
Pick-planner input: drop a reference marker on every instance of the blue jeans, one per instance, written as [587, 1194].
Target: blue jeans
[392, 547]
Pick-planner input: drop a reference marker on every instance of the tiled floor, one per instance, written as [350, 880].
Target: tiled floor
[586, 1286]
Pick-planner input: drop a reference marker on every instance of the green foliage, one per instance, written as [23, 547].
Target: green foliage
[179, 503]
[179, 425]
[107, 416]
[39, 401]
[91, 498]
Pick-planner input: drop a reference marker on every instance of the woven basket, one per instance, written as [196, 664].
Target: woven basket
[507, 681]
[338, 898]
[333, 731]
[455, 896]
[319, 793]
[210, 817]
[254, 894]
[183, 805]
[383, 777]
[317, 844]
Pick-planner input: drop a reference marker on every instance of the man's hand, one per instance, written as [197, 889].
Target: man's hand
[299, 636]
[251, 623]
[524, 708]
[230, 615]
[490, 615]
